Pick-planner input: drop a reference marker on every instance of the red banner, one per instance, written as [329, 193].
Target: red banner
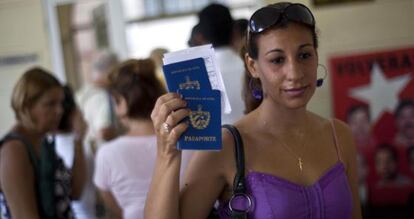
[374, 94]
[378, 80]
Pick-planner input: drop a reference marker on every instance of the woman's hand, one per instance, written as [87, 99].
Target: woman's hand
[79, 174]
[168, 111]
[79, 125]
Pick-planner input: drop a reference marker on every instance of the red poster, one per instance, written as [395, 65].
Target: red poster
[381, 86]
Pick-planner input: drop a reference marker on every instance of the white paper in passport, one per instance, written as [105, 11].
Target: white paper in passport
[214, 75]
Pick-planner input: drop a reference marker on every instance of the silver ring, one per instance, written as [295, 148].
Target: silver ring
[166, 127]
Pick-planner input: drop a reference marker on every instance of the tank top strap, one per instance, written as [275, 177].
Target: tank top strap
[335, 138]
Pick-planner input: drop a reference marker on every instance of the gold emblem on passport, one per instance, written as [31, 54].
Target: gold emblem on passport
[200, 119]
[189, 85]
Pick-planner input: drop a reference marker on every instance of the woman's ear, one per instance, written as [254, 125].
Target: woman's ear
[26, 118]
[251, 65]
[121, 106]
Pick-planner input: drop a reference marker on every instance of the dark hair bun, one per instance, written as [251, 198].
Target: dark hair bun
[136, 81]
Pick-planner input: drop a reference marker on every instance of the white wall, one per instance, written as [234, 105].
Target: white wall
[22, 31]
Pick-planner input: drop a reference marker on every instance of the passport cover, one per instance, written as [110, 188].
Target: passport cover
[187, 75]
[204, 130]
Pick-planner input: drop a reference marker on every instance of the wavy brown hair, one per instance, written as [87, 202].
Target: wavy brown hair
[136, 81]
[34, 83]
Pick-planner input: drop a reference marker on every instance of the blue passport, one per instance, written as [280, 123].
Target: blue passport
[187, 75]
[204, 129]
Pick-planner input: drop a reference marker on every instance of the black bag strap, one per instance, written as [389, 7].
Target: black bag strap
[239, 184]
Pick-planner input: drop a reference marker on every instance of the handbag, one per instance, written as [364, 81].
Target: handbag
[239, 183]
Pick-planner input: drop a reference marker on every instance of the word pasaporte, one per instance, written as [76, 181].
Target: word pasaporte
[199, 138]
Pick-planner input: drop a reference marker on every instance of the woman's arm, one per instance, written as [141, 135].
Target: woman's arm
[163, 196]
[18, 180]
[203, 182]
[111, 203]
[206, 179]
[79, 165]
[348, 148]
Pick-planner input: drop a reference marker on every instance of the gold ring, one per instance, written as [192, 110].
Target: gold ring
[166, 127]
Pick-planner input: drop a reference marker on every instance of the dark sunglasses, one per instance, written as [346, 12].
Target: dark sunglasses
[268, 16]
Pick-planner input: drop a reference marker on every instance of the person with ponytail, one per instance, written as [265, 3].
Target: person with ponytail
[124, 165]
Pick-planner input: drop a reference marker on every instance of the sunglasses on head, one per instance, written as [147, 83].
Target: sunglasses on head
[270, 15]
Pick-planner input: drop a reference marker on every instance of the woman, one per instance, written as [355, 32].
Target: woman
[34, 182]
[299, 165]
[124, 166]
[71, 124]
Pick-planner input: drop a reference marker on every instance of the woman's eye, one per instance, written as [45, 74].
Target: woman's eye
[278, 60]
[305, 55]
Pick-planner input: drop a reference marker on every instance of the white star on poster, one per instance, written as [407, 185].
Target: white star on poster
[381, 93]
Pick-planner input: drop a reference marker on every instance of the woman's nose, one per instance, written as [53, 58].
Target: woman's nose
[294, 71]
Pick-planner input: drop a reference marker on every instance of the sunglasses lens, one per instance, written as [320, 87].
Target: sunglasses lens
[263, 18]
[268, 16]
[300, 13]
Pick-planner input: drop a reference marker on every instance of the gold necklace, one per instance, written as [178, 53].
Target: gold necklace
[288, 149]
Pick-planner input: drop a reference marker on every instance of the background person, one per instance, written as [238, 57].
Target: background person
[124, 165]
[386, 167]
[404, 119]
[404, 136]
[34, 182]
[196, 38]
[238, 39]
[71, 126]
[97, 108]
[216, 27]
[390, 195]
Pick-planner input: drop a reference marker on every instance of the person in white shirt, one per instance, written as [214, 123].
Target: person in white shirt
[216, 27]
[94, 102]
[124, 166]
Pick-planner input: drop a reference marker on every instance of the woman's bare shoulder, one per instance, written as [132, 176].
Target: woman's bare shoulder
[345, 139]
[324, 123]
[13, 148]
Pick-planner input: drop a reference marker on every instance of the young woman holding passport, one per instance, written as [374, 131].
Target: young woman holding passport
[297, 164]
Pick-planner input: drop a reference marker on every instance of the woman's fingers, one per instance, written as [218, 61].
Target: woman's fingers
[165, 105]
[177, 131]
[176, 117]
[168, 116]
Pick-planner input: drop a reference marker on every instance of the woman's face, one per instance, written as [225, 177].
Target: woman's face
[360, 124]
[47, 111]
[286, 65]
[385, 165]
[405, 122]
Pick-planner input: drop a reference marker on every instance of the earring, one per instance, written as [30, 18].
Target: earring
[319, 81]
[257, 93]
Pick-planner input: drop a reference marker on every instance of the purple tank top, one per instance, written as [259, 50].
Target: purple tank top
[274, 197]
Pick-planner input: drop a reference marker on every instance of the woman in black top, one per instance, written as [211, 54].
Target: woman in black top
[33, 181]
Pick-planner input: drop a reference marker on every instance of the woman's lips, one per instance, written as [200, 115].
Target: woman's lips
[294, 92]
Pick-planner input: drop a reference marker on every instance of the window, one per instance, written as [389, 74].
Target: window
[167, 24]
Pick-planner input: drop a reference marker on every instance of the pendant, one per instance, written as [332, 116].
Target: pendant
[300, 163]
